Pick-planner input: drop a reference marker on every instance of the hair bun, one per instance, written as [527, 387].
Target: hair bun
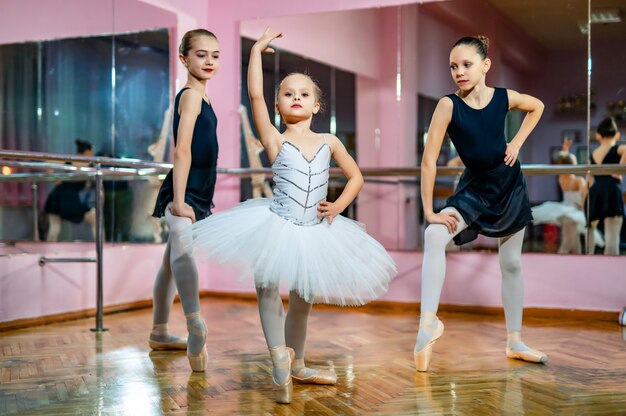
[484, 40]
[82, 145]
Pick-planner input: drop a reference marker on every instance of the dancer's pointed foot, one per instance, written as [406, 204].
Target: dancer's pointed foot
[282, 361]
[172, 342]
[516, 349]
[197, 353]
[161, 339]
[431, 329]
[304, 375]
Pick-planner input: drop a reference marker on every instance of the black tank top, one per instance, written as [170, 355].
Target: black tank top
[204, 147]
[611, 158]
[478, 135]
[203, 170]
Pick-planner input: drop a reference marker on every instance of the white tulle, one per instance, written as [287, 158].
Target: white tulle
[336, 263]
[552, 212]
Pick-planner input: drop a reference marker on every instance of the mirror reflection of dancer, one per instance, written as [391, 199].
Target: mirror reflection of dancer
[254, 148]
[72, 201]
[567, 214]
[491, 198]
[605, 194]
[297, 236]
[186, 196]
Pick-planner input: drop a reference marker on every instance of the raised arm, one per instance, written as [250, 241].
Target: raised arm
[436, 132]
[534, 108]
[269, 136]
[355, 180]
[190, 105]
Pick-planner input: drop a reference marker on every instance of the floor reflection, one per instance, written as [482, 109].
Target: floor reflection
[65, 369]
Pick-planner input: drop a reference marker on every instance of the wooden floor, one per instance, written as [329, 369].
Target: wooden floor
[64, 369]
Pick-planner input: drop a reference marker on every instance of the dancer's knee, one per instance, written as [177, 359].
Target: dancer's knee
[436, 236]
[511, 265]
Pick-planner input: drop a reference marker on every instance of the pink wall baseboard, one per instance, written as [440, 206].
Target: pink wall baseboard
[473, 279]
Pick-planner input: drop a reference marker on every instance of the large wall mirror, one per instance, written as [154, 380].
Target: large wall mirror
[398, 57]
[382, 70]
[608, 99]
[92, 82]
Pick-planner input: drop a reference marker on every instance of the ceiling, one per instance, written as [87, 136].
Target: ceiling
[555, 23]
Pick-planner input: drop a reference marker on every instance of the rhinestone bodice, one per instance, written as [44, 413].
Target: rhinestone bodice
[301, 184]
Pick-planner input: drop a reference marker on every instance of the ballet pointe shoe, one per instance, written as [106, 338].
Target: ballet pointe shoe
[160, 339]
[320, 377]
[283, 357]
[531, 356]
[198, 362]
[175, 343]
[524, 352]
[422, 357]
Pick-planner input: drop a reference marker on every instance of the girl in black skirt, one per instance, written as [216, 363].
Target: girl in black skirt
[491, 198]
[606, 202]
[186, 196]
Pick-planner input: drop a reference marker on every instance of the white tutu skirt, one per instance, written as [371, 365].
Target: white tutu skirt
[557, 213]
[336, 263]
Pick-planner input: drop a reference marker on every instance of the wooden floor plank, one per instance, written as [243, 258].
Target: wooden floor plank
[65, 369]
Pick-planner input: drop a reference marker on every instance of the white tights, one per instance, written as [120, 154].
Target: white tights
[434, 271]
[570, 238]
[612, 229]
[178, 271]
[278, 330]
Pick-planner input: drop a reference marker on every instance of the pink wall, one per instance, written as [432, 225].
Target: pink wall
[551, 281]
[441, 24]
[32, 20]
[352, 34]
[129, 270]
[28, 290]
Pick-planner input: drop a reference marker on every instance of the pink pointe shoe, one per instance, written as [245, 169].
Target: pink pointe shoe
[422, 357]
[516, 349]
[304, 375]
[283, 392]
[172, 343]
[198, 362]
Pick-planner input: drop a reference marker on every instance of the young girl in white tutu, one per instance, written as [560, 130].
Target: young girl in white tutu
[297, 239]
[567, 214]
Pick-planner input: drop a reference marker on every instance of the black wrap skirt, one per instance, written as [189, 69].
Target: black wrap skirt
[493, 203]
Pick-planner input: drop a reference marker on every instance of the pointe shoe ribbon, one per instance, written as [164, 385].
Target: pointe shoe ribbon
[198, 362]
[283, 392]
[321, 377]
[422, 357]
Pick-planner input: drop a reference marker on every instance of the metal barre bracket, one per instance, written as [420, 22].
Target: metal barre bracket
[43, 260]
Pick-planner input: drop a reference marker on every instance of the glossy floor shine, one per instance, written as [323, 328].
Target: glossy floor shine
[64, 369]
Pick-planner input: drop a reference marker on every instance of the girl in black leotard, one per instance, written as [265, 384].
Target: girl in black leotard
[491, 197]
[605, 195]
[186, 196]
[71, 201]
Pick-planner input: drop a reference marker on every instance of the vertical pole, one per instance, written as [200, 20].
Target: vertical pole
[99, 245]
[35, 188]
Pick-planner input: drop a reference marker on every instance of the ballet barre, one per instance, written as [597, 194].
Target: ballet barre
[97, 168]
